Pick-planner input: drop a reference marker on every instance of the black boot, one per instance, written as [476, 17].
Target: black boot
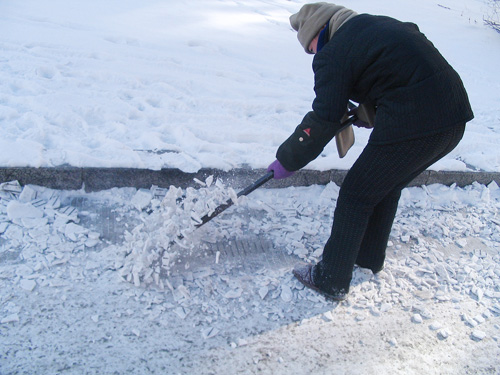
[304, 273]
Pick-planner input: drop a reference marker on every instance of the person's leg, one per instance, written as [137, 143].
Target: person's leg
[377, 178]
[372, 251]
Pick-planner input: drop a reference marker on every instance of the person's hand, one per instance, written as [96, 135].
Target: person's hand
[279, 171]
[365, 114]
[358, 122]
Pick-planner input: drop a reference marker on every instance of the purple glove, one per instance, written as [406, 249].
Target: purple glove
[279, 171]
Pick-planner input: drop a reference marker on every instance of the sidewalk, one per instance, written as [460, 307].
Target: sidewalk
[96, 179]
[229, 303]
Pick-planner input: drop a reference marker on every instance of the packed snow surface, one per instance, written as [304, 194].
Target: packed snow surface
[192, 84]
[82, 290]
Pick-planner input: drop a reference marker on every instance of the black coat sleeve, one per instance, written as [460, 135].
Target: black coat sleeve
[332, 87]
[306, 142]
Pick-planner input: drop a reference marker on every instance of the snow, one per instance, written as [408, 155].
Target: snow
[122, 281]
[193, 84]
[139, 299]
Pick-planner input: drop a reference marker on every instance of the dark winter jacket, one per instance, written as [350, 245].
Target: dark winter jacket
[386, 62]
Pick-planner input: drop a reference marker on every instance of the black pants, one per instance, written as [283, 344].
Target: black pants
[368, 201]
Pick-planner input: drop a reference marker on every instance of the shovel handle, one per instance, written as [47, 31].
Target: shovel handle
[347, 123]
[261, 181]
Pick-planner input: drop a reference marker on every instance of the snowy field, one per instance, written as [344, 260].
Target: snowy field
[220, 84]
[99, 283]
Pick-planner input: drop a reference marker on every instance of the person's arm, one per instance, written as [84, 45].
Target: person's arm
[332, 88]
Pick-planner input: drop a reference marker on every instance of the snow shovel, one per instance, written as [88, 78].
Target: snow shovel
[261, 181]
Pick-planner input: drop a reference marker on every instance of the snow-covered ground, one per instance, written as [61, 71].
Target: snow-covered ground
[92, 282]
[192, 84]
[70, 303]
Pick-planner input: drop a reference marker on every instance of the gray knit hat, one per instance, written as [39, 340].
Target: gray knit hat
[312, 17]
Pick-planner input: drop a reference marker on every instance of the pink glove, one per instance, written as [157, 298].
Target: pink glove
[279, 171]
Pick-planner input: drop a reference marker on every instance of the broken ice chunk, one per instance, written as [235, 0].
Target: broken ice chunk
[233, 195]
[136, 332]
[286, 293]
[181, 312]
[12, 318]
[27, 284]
[11, 187]
[94, 235]
[93, 239]
[67, 214]
[301, 252]
[441, 296]
[263, 292]
[478, 292]
[201, 183]
[28, 194]
[393, 342]
[479, 319]
[54, 202]
[422, 312]
[141, 199]
[219, 184]
[209, 181]
[29, 222]
[136, 278]
[435, 326]
[74, 231]
[417, 318]
[91, 243]
[18, 210]
[375, 311]
[478, 335]
[469, 320]
[318, 252]
[443, 334]
[495, 308]
[442, 272]
[236, 293]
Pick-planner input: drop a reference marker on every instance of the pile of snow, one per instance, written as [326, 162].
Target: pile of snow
[166, 227]
[39, 230]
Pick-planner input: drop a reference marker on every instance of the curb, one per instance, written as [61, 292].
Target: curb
[96, 179]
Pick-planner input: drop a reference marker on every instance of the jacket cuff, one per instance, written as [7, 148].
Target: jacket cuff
[306, 143]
